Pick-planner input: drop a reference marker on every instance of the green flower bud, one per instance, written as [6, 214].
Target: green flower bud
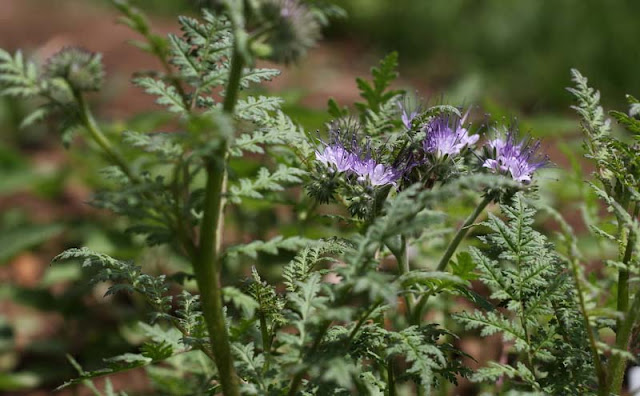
[81, 69]
[293, 29]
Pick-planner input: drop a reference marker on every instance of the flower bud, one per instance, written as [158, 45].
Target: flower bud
[81, 69]
[292, 29]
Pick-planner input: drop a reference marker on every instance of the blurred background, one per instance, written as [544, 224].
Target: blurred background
[508, 58]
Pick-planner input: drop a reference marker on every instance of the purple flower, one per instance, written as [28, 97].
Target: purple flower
[444, 137]
[377, 174]
[406, 117]
[517, 159]
[356, 161]
[338, 156]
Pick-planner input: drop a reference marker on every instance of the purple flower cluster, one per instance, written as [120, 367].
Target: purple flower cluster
[447, 136]
[353, 161]
[517, 159]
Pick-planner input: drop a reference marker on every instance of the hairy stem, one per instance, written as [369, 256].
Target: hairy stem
[624, 326]
[462, 232]
[207, 268]
[623, 337]
[208, 264]
[623, 274]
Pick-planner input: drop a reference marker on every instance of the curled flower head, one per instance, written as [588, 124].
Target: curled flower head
[516, 159]
[447, 136]
[295, 29]
[80, 68]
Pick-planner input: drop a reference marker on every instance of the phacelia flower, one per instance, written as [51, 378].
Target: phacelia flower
[377, 174]
[337, 156]
[447, 136]
[353, 159]
[516, 159]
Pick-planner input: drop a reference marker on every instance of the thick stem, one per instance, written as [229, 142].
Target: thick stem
[618, 363]
[264, 332]
[624, 326]
[391, 381]
[623, 274]
[462, 232]
[208, 264]
[207, 270]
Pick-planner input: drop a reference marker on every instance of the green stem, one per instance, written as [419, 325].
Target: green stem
[624, 326]
[264, 331]
[297, 379]
[600, 373]
[235, 75]
[207, 268]
[354, 331]
[96, 134]
[208, 264]
[623, 274]
[266, 342]
[462, 232]
[451, 249]
[618, 363]
[89, 122]
[403, 268]
[391, 380]
[419, 308]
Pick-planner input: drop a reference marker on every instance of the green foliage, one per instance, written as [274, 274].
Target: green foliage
[376, 92]
[351, 312]
[159, 349]
[526, 279]
[265, 182]
[128, 277]
[271, 246]
[304, 264]
[167, 95]
[19, 77]
[617, 164]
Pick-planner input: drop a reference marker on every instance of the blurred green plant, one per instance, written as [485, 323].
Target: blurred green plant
[515, 52]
